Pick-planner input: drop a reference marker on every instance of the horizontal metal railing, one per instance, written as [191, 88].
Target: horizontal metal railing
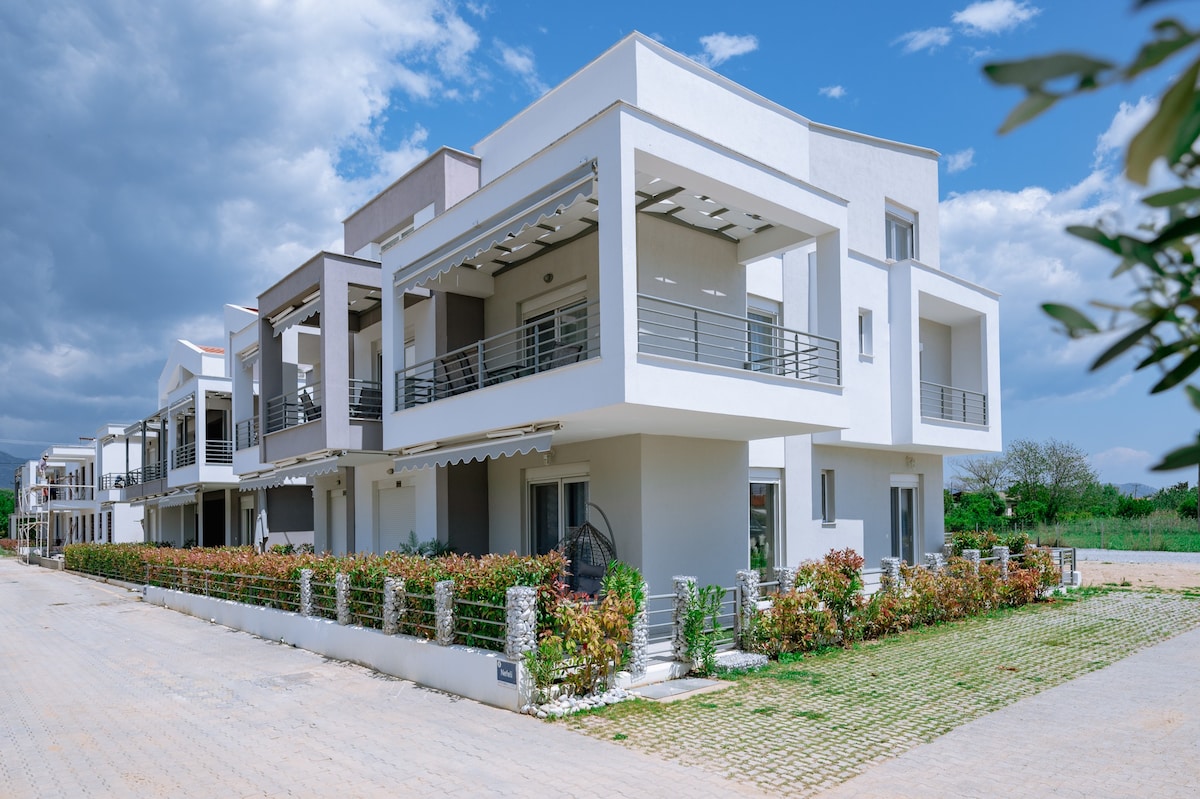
[366, 399]
[561, 338]
[218, 451]
[68, 492]
[688, 332]
[953, 404]
[183, 456]
[245, 433]
[144, 474]
[108, 482]
[294, 408]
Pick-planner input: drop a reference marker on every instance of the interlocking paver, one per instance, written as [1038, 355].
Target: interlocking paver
[800, 728]
[103, 695]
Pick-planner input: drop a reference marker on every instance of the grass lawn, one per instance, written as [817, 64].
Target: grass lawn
[800, 727]
[1158, 532]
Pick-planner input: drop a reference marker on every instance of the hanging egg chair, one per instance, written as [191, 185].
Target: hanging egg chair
[588, 550]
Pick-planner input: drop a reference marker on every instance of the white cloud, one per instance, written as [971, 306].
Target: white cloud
[720, 47]
[960, 161]
[994, 16]
[928, 39]
[1122, 464]
[520, 62]
[832, 92]
[1128, 121]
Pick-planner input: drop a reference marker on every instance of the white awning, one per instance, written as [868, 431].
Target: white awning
[292, 318]
[289, 474]
[504, 230]
[477, 451]
[185, 497]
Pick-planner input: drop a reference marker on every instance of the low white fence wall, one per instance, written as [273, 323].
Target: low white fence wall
[477, 674]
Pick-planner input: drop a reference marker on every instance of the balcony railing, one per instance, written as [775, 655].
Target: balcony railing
[697, 334]
[218, 451]
[146, 474]
[555, 339]
[108, 482]
[245, 433]
[294, 408]
[183, 456]
[366, 399]
[67, 493]
[953, 404]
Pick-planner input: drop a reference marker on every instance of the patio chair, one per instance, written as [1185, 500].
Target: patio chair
[310, 411]
[458, 374]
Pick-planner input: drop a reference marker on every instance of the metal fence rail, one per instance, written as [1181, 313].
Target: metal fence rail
[294, 408]
[480, 624]
[953, 404]
[245, 433]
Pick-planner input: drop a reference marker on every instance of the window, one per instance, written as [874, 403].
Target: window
[557, 508]
[900, 233]
[864, 332]
[828, 510]
[762, 339]
[556, 327]
[764, 517]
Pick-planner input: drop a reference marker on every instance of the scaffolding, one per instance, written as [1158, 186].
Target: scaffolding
[30, 524]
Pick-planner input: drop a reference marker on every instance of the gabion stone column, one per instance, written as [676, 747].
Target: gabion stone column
[393, 590]
[306, 592]
[891, 570]
[443, 606]
[683, 587]
[787, 579]
[935, 561]
[341, 583]
[520, 616]
[639, 649]
[947, 551]
[747, 583]
[1001, 553]
[972, 555]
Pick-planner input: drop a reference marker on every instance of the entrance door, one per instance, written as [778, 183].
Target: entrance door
[213, 533]
[336, 521]
[763, 515]
[904, 523]
[556, 509]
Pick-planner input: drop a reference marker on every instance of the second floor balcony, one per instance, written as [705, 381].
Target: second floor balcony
[246, 433]
[953, 404]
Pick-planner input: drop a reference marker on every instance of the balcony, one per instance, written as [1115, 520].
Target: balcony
[115, 480]
[366, 399]
[690, 333]
[294, 408]
[183, 456]
[559, 338]
[217, 451]
[145, 474]
[953, 404]
[246, 433]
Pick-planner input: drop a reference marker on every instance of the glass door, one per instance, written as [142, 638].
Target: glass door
[763, 516]
[904, 523]
[556, 509]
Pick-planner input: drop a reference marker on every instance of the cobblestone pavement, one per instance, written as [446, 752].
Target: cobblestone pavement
[102, 695]
[801, 728]
[1130, 730]
[1137, 556]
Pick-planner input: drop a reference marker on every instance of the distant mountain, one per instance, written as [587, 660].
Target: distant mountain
[8, 465]
[1136, 489]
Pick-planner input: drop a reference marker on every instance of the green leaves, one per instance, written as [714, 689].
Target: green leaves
[1075, 322]
[1161, 135]
[1034, 73]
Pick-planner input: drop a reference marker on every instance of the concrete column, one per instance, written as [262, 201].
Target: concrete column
[1002, 554]
[683, 588]
[972, 555]
[520, 615]
[443, 605]
[306, 592]
[342, 586]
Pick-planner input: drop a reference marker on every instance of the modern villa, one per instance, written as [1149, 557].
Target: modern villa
[652, 300]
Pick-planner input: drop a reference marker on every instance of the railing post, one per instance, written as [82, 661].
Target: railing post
[341, 583]
[306, 603]
[747, 586]
[639, 654]
[787, 579]
[891, 570]
[520, 621]
[479, 364]
[972, 555]
[683, 588]
[391, 616]
[443, 604]
[1001, 553]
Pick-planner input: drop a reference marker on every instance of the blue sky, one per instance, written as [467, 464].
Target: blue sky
[159, 160]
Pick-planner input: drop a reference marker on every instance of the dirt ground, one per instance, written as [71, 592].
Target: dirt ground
[1172, 576]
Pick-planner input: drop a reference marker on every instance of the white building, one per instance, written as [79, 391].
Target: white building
[657, 292]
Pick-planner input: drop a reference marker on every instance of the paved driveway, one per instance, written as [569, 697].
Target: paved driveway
[101, 695]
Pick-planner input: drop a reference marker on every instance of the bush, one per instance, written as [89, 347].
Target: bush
[586, 643]
[8, 544]
[795, 622]
[984, 540]
[118, 561]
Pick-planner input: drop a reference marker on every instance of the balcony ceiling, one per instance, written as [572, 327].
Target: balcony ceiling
[676, 204]
[565, 225]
